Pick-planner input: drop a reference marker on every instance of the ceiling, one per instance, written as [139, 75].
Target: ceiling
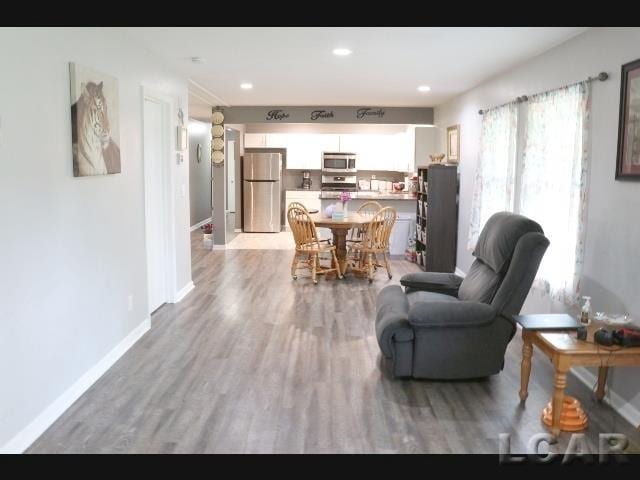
[296, 66]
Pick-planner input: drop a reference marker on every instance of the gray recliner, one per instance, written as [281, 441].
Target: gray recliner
[446, 327]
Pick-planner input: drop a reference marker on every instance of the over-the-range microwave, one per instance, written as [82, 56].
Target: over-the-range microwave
[339, 162]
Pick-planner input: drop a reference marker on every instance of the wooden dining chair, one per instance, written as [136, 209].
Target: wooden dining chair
[375, 240]
[300, 205]
[308, 246]
[367, 209]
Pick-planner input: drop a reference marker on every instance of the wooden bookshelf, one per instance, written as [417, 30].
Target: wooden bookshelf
[437, 218]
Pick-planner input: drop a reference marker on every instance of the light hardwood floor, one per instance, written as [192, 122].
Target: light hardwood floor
[252, 361]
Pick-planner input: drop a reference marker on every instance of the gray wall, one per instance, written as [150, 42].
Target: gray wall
[612, 263]
[200, 173]
[73, 249]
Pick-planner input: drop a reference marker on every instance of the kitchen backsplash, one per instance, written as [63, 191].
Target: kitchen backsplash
[292, 179]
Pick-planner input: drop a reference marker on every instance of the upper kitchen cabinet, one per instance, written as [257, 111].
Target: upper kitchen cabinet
[304, 151]
[404, 158]
[255, 140]
[393, 152]
[277, 140]
[380, 152]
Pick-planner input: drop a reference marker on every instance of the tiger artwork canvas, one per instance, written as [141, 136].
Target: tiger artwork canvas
[95, 126]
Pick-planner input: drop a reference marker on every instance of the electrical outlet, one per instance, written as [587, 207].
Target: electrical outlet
[130, 302]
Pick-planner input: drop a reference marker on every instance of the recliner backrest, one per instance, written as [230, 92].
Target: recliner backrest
[480, 284]
[508, 253]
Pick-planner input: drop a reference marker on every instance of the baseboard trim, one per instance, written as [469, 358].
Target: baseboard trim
[237, 230]
[627, 411]
[460, 273]
[199, 224]
[20, 442]
[183, 292]
[219, 247]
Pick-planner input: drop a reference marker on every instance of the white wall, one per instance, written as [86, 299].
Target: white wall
[72, 249]
[426, 144]
[612, 263]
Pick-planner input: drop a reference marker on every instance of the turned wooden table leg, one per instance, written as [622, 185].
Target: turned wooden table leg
[602, 381]
[559, 384]
[525, 368]
[340, 242]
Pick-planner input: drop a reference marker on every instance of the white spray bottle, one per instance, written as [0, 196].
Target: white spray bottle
[585, 315]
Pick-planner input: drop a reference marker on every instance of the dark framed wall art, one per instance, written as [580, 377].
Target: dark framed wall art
[628, 159]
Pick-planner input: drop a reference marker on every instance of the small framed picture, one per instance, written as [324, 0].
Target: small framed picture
[182, 138]
[628, 159]
[453, 144]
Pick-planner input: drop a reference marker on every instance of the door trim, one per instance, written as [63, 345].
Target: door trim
[168, 141]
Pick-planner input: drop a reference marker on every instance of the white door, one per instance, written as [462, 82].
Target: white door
[231, 176]
[155, 208]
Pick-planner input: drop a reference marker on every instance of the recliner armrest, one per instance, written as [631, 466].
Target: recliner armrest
[447, 283]
[392, 309]
[451, 314]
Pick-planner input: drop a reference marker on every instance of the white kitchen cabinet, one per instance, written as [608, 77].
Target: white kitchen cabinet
[255, 140]
[304, 151]
[374, 152]
[299, 154]
[326, 142]
[277, 140]
[404, 157]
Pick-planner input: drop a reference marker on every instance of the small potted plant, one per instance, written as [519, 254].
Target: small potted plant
[207, 235]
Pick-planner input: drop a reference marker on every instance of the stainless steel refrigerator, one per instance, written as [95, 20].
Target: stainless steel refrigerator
[261, 190]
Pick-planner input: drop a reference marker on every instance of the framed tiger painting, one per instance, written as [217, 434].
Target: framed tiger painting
[95, 125]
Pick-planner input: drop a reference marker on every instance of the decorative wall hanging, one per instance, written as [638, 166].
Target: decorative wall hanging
[217, 132]
[330, 114]
[182, 138]
[453, 144]
[95, 125]
[628, 159]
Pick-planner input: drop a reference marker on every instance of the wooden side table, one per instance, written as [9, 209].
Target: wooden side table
[565, 351]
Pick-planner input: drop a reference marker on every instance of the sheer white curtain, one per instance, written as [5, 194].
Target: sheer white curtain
[495, 175]
[553, 183]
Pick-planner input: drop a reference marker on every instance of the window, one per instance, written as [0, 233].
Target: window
[546, 182]
[495, 175]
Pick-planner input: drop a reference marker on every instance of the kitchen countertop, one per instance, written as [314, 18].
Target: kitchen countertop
[365, 195]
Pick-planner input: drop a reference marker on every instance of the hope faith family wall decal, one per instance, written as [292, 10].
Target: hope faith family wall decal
[279, 114]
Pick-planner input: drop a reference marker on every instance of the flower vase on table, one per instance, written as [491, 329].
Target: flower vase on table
[345, 197]
[337, 212]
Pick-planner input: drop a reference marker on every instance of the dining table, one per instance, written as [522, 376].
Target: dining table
[340, 228]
